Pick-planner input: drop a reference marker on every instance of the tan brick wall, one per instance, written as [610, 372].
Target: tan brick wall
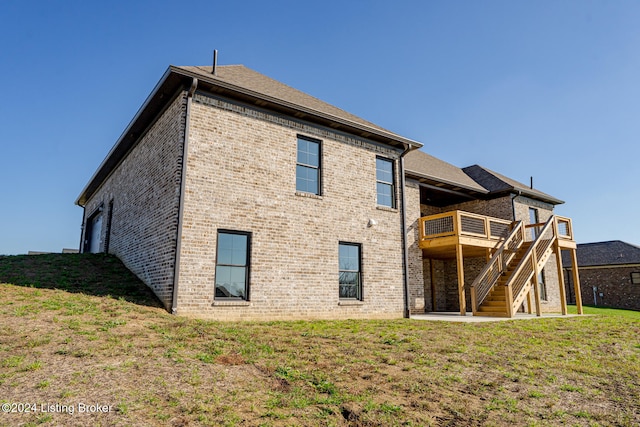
[416, 273]
[241, 176]
[145, 193]
[500, 207]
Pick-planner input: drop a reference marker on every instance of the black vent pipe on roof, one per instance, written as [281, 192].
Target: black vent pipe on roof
[215, 61]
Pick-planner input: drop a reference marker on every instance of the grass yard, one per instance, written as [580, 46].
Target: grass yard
[81, 330]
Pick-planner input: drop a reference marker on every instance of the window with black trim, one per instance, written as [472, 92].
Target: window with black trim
[542, 286]
[534, 219]
[308, 166]
[385, 182]
[232, 265]
[350, 271]
[635, 278]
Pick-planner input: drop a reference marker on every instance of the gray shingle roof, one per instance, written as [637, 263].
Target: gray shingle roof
[424, 165]
[614, 252]
[241, 78]
[497, 183]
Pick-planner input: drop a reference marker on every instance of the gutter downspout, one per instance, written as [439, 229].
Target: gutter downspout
[82, 228]
[185, 151]
[513, 204]
[403, 216]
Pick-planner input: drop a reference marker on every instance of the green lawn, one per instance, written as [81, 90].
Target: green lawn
[603, 311]
[80, 329]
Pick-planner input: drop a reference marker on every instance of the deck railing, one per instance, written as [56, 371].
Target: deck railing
[564, 228]
[460, 223]
[533, 260]
[498, 263]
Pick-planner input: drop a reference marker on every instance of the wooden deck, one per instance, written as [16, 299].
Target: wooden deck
[458, 235]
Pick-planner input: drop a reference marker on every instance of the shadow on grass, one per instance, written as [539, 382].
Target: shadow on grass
[90, 274]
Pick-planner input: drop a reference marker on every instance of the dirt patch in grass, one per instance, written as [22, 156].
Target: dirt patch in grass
[71, 347]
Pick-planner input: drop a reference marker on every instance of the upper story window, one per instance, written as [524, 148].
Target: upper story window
[534, 219]
[232, 265]
[385, 182]
[308, 166]
[350, 271]
[635, 278]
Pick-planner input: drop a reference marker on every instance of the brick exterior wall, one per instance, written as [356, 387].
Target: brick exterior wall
[241, 175]
[417, 286]
[144, 190]
[500, 207]
[613, 282]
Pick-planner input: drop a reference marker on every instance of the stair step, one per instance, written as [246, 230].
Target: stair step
[492, 314]
[494, 304]
[484, 309]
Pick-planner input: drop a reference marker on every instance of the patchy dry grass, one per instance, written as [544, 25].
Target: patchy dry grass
[80, 329]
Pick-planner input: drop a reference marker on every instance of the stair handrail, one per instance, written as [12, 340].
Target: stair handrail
[526, 268]
[492, 271]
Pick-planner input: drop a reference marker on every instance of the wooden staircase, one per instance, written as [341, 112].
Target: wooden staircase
[509, 276]
[495, 304]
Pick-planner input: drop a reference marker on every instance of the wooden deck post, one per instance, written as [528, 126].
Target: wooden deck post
[460, 268]
[509, 300]
[563, 294]
[474, 301]
[534, 279]
[576, 280]
[529, 303]
[434, 300]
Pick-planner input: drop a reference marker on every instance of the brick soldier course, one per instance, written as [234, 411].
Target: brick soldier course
[216, 158]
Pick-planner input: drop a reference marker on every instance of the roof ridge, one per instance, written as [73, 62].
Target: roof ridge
[500, 177]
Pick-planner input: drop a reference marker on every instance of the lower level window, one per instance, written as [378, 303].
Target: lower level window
[350, 281]
[232, 265]
[542, 286]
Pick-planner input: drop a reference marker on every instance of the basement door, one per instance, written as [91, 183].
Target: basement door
[95, 234]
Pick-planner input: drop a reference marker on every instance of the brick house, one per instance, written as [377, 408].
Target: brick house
[234, 196]
[609, 274]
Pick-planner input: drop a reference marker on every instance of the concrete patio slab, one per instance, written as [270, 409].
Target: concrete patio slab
[470, 318]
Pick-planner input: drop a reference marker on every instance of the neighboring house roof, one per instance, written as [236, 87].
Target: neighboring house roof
[614, 252]
[422, 165]
[497, 183]
[242, 84]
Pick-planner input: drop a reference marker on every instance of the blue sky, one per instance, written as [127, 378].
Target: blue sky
[542, 88]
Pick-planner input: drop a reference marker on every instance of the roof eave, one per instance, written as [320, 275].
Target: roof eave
[444, 181]
[153, 104]
[529, 194]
